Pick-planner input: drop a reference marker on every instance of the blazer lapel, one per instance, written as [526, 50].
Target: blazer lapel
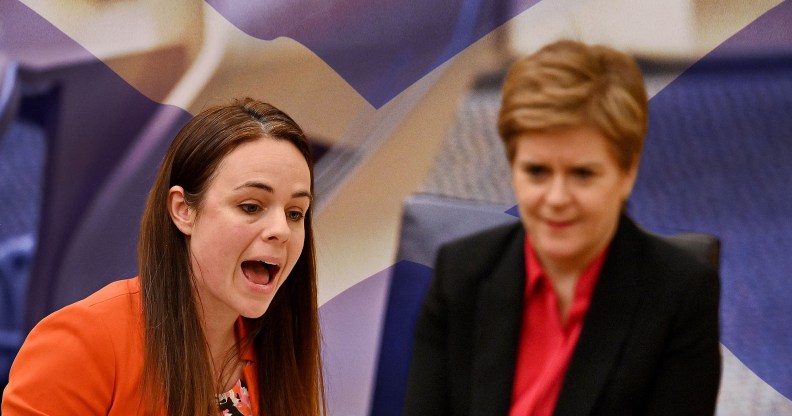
[497, 322]
[606, 325]
[250, 370]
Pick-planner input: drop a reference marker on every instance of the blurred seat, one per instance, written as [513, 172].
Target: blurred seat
[9, 92]
[14, 254]
[428, 222]
[703, 246]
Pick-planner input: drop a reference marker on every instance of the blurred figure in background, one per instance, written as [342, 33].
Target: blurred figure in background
[575, 310]
[223, 316]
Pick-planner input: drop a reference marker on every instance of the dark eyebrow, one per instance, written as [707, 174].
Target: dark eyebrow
[254, 184]
[303, 194]
[527, 164]
[265, 187]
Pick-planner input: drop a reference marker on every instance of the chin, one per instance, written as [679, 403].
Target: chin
[254, 313]
[559, 252]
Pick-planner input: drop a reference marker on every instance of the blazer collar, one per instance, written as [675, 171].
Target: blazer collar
[606, 325]
[250, 370]
[497, 322]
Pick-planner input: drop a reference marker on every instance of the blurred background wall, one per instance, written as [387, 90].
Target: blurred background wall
[399, 100]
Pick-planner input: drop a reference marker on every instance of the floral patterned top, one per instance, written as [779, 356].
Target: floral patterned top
[235, 402]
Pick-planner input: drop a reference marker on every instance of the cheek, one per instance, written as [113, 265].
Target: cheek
[222, 242]
[526, 195]
[605, 206]
[298, 243]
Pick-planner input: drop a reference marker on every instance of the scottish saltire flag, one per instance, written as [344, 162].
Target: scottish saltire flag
[391, 93]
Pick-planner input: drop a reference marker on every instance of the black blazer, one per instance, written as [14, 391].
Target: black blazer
[649, 344]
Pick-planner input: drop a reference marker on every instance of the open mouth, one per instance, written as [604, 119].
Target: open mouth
[259, 272]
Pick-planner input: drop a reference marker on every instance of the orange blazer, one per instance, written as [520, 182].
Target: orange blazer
[87, 359]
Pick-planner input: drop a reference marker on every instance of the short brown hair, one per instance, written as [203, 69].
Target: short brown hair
[567, 84]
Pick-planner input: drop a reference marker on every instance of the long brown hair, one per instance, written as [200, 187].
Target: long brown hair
[178, 372]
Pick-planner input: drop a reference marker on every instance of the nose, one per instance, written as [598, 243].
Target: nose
[276, 227]
[558, 192]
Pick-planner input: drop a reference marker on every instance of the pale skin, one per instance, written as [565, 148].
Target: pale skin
[245, 237]
[570, 191]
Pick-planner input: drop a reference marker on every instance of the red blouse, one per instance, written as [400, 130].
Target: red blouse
[546, 344]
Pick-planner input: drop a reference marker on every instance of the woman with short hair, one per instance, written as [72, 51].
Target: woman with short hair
[574, 310]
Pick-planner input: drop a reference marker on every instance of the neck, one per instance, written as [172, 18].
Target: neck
[564, 275]
[563, 270]
[564, 287]
[221, 340]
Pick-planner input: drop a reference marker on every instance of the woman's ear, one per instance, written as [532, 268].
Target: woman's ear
[181, 214]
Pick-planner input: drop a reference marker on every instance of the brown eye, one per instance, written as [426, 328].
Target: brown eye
[536, 171]
[249, 208]
[583, 173]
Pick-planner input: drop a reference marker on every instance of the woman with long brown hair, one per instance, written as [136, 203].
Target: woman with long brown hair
[223, 316]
